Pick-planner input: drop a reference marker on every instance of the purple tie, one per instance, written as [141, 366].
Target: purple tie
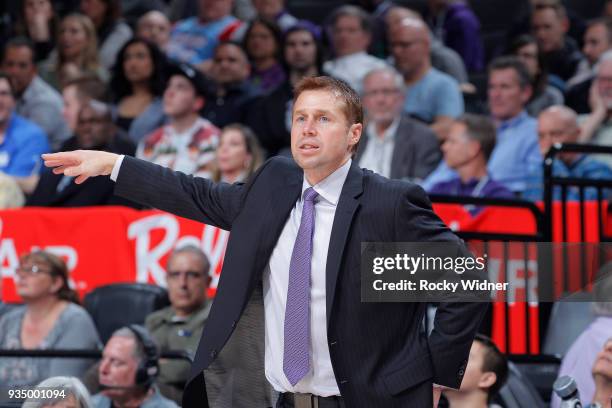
[296, 357]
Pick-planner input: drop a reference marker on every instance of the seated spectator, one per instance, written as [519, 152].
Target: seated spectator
[467, 150]
[263, 45]
[238, 154]
[558, 124]
[77, 93]
[485, 374]
[393, 144]
[179, 326]
[602, 376]
[432, 96]
[442, 58]
[38, 21]
[275, 10]
[37, 100]
[111, 32]
[74, 395]
[194, 40]
[351, 30]
[188, 142]
[138, 82]
[516, 152]
[128, 370]
[560, 53]
[232, 94]
[21, 142]
[579, 360]
[11, 195]
[543, 94]
[76, 53]
[270, 118]
[49, 319]
[95, 131]
[456, 25]
[596, 127]
[154, 27]
[597, 40]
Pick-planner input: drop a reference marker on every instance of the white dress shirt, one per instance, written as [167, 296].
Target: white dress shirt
[379, 150]
[320, 380]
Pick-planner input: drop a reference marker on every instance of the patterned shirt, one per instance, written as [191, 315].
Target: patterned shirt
[191, 151]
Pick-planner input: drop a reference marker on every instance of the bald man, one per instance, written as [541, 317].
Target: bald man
[558, 124]
[432, 96]
[155, 27]
[442, 57]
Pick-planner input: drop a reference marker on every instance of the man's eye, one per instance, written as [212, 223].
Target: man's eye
[324, 119]
[299, 119]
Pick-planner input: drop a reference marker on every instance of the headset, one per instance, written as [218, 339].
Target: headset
[148, 368]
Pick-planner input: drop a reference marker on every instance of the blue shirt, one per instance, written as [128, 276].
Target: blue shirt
[514, 158]
[484, 187]
[436, 94]
[583, 167]
[192, 41]
[21, 148]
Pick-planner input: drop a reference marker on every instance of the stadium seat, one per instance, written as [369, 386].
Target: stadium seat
[518, 392]
[117, 305]
[567, 321]
[540, 371]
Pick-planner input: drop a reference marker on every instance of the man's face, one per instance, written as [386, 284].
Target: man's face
[603, 82]
[458, 148]
[93, 129]
[7, 101]
[94, 9]
[382, 98]
[409, 47]
[212, 10]
[154, 27]
[18, 63]
[321, 137]
[230, 64]
[300, 50]
[180, 97]
[268, 8]
[548, 29]
[348, 37]
[528, 54]
[118, 366]
[506, 97]
[595, 42]
[187, 280]
[72, 106]
[554, 128]
[602, 368]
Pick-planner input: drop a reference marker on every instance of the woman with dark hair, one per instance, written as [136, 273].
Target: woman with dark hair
[263, 44]
[544, 95]
[238, 154]
[138, 83]
[112, 32]
[49, 319]
[38, 21]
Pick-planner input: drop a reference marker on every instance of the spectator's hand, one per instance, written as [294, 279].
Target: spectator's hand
[81, 164]
[602, 375]
[596, 102]
[38, 21]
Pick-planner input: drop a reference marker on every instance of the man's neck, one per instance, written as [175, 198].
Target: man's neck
[381, 127]
[263, 64]
[475, 399]
[415, 76]
[296, 75]
[499, 121]
[134, 400]
[348, 54]
[184, 313]
[181, 124]
[315, 176]
[475, 169]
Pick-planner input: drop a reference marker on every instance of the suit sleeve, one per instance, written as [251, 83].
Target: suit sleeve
[455, 324]
[184, 195]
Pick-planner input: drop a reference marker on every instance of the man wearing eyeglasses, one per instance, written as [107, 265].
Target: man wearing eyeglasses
[179, 326]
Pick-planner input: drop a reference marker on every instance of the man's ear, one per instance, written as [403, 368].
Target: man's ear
[355, 133]
[487, 379]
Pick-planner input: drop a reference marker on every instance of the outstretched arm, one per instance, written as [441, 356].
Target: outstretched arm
[81, 164]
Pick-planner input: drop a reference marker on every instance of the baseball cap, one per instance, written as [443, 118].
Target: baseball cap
[198, 80]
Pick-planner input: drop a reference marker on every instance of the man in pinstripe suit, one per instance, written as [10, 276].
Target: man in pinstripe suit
[298, 226]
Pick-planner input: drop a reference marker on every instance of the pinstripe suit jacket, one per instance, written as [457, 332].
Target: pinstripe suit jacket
[379, 355]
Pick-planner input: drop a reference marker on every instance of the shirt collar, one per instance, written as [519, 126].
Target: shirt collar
[331, 186]
[512, 121]
[388, 135]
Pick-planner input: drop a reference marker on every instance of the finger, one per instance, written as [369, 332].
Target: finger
[81, 179]
[59, 170]
[73, 171]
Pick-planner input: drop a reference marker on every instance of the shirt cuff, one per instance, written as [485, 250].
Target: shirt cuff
[115, 173]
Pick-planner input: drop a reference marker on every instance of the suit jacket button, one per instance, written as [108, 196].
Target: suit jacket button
[343, 381]
[460, 373]
[213, 353]
[233, 324]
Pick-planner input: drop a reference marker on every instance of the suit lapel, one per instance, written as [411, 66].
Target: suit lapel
[399, 148]
[347, 205]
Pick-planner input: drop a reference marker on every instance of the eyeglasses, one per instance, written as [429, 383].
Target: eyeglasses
[190, 275]
[32, 270]
[384, 92]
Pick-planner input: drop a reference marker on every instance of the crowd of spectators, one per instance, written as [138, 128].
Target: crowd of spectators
[205, 87]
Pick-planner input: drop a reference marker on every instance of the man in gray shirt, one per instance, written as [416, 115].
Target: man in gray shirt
[37, 100]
